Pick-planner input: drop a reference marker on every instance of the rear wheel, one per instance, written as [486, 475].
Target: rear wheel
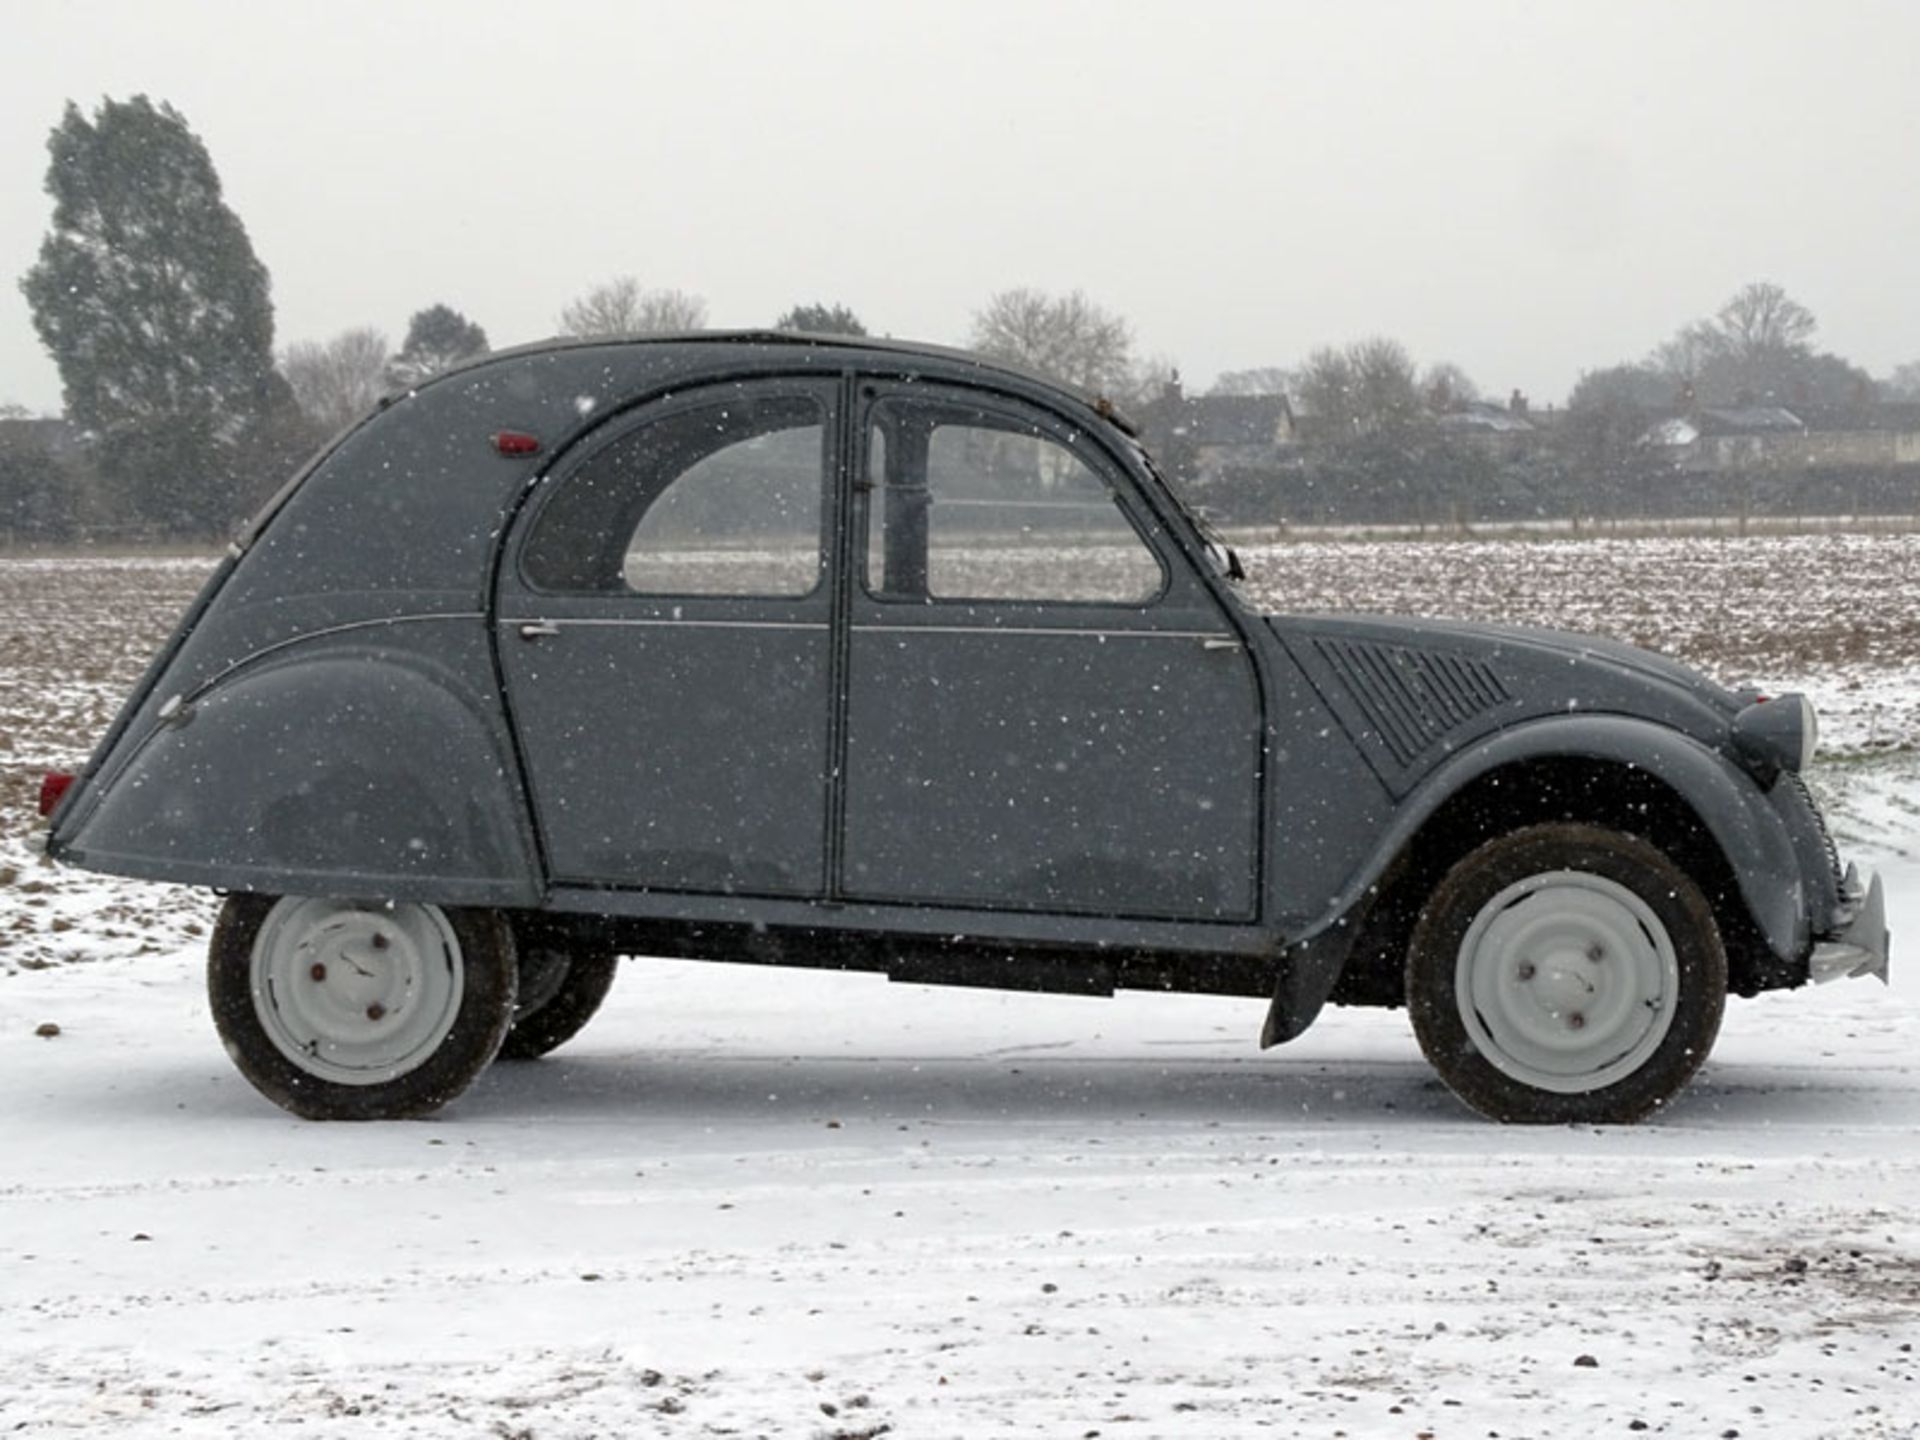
[340, 1010]
[563, 980]
[1566, 973]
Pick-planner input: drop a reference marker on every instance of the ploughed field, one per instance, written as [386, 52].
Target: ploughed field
[751, 1202]
[75, 636]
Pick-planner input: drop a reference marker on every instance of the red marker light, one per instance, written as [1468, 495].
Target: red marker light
[516, 442]
[53, 785]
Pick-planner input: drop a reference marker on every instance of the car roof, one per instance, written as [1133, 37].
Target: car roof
[809, 340]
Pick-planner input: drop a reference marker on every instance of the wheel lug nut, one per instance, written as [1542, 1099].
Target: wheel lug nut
[1526, 969]
[376, 1010]
[1596, 953]
[379, 941]
[318, 972]
[1576, 1021]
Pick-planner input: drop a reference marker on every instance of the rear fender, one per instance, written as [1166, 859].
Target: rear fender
[373, 772]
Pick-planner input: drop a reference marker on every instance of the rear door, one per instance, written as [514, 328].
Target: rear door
[665, 638]
[1046, 708]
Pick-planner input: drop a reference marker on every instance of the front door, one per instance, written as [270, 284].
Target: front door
[1046, 708]
[665, 636]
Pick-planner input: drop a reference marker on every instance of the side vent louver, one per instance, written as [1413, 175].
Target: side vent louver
[1412, 698]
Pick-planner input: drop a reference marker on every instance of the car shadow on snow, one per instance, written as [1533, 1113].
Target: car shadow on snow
[707, 1088]
[751, 1089]
[717, 1088]
[1834, 1098]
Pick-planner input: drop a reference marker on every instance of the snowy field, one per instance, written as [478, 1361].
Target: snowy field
[752, 1202]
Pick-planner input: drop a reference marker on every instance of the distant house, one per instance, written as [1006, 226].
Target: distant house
[1201, 438]
[1859, 436]
[1726, 438]
[1806, 437]
[1504, 431]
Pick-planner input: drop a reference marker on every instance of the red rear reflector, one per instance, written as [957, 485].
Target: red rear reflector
[53, 785]
[516, 442]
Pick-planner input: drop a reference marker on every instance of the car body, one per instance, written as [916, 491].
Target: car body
[856, 654]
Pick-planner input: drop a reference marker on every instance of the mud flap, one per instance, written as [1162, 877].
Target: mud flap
[1309, 969]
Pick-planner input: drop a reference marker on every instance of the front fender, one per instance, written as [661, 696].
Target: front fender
[1735, 812]
[370, 771]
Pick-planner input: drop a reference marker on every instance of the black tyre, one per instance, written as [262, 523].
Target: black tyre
[563, 980]
[1566, 973]
[338, 1010]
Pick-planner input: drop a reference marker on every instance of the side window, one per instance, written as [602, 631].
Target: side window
[716, 499]
[971, 504]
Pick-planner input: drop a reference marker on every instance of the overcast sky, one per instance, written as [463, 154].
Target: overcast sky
[1526, 189]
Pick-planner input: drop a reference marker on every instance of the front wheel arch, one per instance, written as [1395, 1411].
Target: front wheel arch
[1604, 793]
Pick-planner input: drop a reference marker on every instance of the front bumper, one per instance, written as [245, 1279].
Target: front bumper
[1860, 946]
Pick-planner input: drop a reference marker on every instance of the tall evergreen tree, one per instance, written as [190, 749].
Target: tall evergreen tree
[151, 301]
[820, 319]
[438, 338]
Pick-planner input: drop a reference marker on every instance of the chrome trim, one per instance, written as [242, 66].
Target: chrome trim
[565, 622]
[1210, 637]
[1861, 948]
[327, 632]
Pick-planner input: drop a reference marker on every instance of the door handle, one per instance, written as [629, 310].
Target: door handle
[1219, 642]
[534, 629]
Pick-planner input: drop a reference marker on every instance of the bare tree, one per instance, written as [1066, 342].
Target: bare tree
[1763, 319]
[1068, 337]
[1904, 382]
[622, 307]
[1148, 379]
[1260, 380]
[612, 308]
[1446, 385]
[1366, 387]
[1686, 356]
[337, 381]
[1757, 349]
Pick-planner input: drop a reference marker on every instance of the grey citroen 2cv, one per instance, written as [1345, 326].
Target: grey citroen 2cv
[806, 651]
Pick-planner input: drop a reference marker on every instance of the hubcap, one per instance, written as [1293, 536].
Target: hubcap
[356, 994]
[1567, 982]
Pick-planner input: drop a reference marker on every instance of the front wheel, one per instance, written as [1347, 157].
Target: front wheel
[1566, 973]
[338, 1010]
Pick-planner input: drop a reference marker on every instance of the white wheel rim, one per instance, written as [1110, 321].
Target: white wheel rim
[356, 994]
[1567, 982]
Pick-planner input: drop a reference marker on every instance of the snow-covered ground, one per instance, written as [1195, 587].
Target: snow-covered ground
[782, 1203]
[764, 1202]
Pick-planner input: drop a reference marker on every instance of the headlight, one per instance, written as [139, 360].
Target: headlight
[1782, 731]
